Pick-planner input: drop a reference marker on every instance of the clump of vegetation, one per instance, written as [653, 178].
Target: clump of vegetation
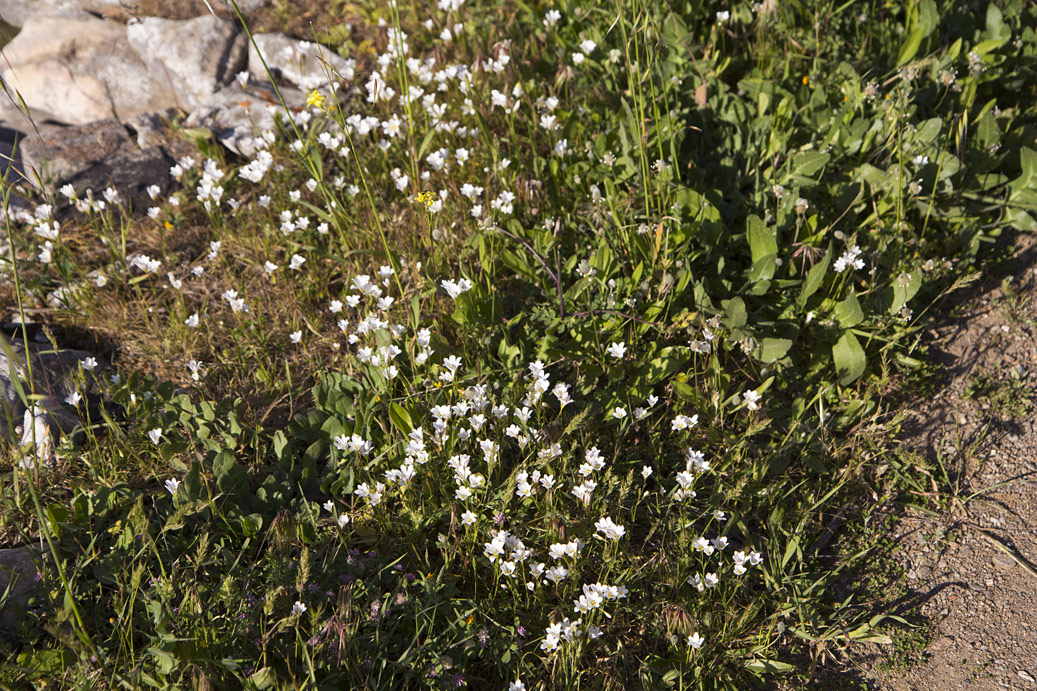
[532, 354]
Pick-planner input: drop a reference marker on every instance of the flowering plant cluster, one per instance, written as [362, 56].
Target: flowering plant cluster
[530, 353]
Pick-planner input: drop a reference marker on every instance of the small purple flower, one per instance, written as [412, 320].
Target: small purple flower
[410, 577]
[39, 577]
[457, 679]
[521, 631]
[398, 567]
[498, 519]
[346, 578]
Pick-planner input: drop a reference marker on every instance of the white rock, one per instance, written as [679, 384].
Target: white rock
[80, 68]
[302, 63]
[194, 57]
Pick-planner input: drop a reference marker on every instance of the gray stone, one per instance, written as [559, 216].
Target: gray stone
[54, 375]
[80, 68]
[236, 116]
[93, 157]
[302, 63]
[194, 57]
[18, 568]
[15, 12]
[1003, 562]
[54, 152]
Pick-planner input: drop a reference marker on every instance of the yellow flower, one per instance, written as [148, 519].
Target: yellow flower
[806, 80]
[315, 99]
[426, 198]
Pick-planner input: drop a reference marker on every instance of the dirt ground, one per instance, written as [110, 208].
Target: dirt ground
[970, 563]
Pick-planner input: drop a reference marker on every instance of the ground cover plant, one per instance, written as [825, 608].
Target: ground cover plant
[537, 352]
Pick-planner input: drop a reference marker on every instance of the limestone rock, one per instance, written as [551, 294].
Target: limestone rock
[18, 574]
[17, 12]
[54, 376]
[195, 57]
[54, 152]
[303, 63]
[236, 116]
[80, 68]
[93, 157]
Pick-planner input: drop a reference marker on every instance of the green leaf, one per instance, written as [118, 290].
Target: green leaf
[910, 47]
[814, 278]
[928, 130]
[903, 293]
[763, 243]
[763, 666]
[996, 27]
[735, 316]
[773, 349]
[1028, 162]
[280, 443]
[400, 418]
[849, 357]
[848, 312]
[807, 163]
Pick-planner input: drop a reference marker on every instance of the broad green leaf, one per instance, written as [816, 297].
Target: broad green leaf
[773, 349]
[280, 443]
[808, 163]
[815, 278]
[928, 130]
[400, 418]
[762, 666]
[910, 47]
[763, 244]
[734, 316]
[848, 312]
[1028, 162]
[996, 27]
[903, 293]
[849, 357]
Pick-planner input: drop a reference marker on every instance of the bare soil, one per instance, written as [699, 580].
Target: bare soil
[967, 558]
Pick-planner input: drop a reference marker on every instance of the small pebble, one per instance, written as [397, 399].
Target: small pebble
[1003, 562]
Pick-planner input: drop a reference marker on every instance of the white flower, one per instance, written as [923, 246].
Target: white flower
[297, 262]
[342, 520]
[516, 685]
[617, 350]
[619, 413]
[695, 640]
[73, 398]
[701, 544]
[683, 422]
[172, 485]
[192, 321]
[296, 336]
[468, 518]
[155, 435]
[298, 608]
[751, 399]
[646, 471]
[552, 17]
[609, 529]
[88, 363]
